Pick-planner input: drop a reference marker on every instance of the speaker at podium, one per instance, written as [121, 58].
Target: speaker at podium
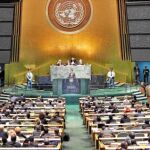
[70, 79]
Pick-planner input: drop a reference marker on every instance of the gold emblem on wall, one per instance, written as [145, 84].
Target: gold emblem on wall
[69, 16]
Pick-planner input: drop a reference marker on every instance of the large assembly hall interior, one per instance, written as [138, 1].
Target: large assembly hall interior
[74, 74]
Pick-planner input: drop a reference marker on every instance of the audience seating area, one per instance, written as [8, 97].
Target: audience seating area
[114, 123]
[37, 123]
[117, 123]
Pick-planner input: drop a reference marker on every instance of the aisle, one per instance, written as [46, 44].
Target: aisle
[79, 138]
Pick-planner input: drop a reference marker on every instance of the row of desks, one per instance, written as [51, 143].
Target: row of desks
[27, 125]
[117, 128]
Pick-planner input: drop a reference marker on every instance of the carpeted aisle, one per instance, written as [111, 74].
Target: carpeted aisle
[79, 138]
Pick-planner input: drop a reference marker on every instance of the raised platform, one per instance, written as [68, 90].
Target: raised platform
[124, 89]
[118, 90]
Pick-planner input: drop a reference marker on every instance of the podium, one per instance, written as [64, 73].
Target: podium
[64, 84]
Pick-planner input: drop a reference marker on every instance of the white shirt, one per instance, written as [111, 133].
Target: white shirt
[29, 75]
[72, 63]
[111, 74]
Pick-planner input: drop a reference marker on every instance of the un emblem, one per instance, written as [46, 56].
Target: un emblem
[69, 16]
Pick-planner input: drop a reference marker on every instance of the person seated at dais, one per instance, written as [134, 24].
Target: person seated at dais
[73, 61]
[59, 62]
[68, 62]
[80, 62]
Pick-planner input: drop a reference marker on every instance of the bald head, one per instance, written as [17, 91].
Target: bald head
[17, 129]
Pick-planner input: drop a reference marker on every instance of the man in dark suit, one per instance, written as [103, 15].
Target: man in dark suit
[137, 74]
[146, 75]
